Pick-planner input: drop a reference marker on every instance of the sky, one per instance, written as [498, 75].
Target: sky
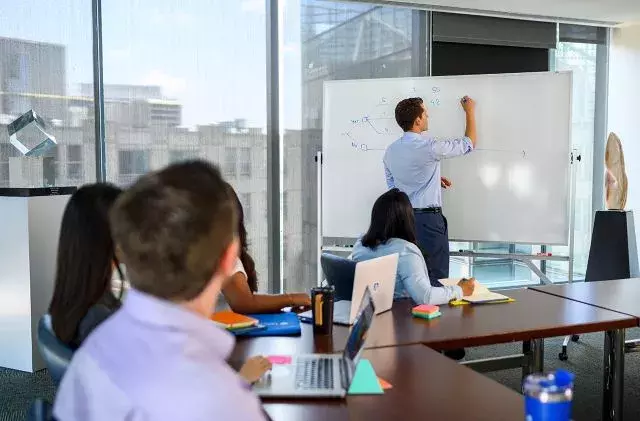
[209, 55]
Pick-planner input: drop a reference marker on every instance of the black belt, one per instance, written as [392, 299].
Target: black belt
[427, 210]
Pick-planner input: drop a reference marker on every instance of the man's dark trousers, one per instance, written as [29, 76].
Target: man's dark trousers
[433, 238]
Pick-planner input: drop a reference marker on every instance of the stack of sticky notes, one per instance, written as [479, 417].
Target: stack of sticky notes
[426, 311]
[233, 321]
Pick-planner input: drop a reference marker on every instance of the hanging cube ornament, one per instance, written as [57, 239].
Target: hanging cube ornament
[28, 135]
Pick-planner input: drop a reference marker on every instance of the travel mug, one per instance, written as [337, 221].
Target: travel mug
[322, 310]
[548, 396]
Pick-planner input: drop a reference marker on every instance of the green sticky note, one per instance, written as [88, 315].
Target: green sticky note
[427, 316]
[365, 381]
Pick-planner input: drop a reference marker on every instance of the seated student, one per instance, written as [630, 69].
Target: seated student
[82, 295]
[392, 230]
[160, 357]
[240, 291]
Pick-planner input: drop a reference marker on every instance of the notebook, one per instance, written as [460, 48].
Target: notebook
[246, 331]
[230, 320]
[277, 324]
[481, 293]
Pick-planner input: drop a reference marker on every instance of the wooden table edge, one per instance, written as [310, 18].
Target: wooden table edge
[584, 302]
[516, 336]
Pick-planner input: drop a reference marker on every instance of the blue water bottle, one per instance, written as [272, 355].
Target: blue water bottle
[548, 396]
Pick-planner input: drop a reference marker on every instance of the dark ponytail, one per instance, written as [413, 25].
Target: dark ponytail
[245, 257]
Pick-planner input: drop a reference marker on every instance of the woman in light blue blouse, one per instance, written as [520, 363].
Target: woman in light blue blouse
[393, 230]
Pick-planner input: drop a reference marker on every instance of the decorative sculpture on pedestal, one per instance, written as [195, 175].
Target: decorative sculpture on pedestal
[615, 176]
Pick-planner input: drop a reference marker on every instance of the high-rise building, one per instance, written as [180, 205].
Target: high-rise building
[23, 84]
[137, 105]
[338, 41]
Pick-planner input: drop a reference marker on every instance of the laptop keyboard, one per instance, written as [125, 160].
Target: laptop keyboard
[314, 373]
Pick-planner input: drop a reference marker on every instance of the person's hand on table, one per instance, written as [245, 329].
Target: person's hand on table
[254, 368]
[468, 285]
[299, 300]
[445, 182]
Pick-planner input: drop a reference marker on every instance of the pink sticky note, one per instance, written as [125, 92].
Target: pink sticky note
[426, 308]
[279, 359]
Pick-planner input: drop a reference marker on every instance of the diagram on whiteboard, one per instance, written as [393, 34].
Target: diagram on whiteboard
[373, 130]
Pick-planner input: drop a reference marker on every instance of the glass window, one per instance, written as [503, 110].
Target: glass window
[74, 162]
[245, 199]
[326, 40]
[46, 54]
[245, 162]
[581, 59]
[173, 91]
[132, 164]
[177, 155]
[230, 165]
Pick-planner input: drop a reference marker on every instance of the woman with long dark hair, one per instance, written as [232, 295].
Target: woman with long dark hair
[240, 291]
[82, 295]
[393, 230]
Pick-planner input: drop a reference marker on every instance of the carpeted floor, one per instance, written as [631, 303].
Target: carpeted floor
[18, 389]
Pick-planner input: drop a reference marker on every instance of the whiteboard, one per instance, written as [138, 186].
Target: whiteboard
[513, 188]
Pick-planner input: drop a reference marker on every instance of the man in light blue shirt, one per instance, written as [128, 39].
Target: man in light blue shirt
[160, 357]
[412, 164]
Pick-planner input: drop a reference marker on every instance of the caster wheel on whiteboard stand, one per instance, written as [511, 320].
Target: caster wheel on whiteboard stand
[563, 356]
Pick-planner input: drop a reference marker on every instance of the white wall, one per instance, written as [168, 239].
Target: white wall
[623, 107]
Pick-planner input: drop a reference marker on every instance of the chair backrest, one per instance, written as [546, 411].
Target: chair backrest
[40, 410]
[340, 273]
[55, 353]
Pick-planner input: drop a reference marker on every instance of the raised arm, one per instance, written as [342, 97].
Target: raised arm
[469, 106]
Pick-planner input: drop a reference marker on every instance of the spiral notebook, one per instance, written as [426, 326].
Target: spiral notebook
[481, 294]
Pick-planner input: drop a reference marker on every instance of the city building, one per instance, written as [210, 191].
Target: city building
[143, 132]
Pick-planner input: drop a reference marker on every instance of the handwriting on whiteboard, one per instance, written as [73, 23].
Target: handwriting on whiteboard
[380, 123]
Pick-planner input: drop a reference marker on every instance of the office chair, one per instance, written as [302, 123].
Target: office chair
[40, 410]
[56, 354]
[612, 255]
[339, 272]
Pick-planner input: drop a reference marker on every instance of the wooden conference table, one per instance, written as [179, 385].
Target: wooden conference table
[532, 317]
[622, 296]
[426, 386]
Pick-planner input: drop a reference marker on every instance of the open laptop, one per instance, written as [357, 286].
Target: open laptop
[379, 275]
[321, 375]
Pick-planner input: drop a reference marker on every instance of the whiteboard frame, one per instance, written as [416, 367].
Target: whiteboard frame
[569, 215]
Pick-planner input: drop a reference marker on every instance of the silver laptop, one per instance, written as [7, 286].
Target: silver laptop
[379, 275]
[321, 375]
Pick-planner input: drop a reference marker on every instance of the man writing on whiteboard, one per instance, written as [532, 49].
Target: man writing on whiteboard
[412, 164]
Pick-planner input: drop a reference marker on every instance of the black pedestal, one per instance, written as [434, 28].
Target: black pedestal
[613, 253]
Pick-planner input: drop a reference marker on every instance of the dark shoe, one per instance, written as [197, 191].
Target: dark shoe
[455, 354]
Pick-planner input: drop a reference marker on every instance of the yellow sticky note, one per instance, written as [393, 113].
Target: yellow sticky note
[455, 303]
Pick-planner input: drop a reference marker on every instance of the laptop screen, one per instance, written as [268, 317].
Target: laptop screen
[358, 334]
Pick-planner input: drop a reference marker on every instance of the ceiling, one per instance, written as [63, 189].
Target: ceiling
[609, 12]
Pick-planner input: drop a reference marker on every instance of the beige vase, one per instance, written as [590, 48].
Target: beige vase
[615, 176]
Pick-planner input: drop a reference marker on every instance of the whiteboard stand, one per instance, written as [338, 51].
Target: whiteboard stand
[319, 276]
[527, 259]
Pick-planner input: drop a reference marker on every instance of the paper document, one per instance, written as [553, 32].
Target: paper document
[481, 293]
